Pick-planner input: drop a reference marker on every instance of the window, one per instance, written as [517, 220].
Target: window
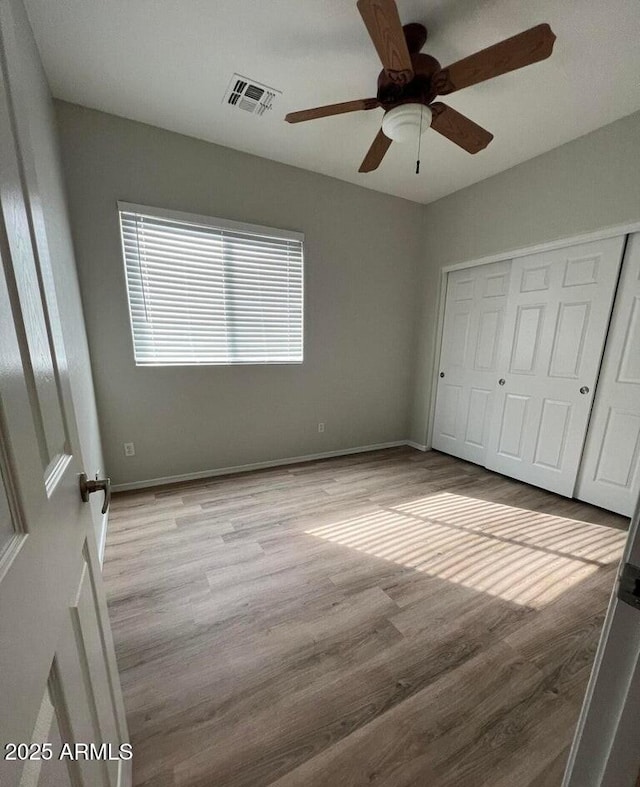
[211, 291]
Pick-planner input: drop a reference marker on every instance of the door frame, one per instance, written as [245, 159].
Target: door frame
[559, 243]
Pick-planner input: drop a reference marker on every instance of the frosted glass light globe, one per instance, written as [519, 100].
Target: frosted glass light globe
[402, 123]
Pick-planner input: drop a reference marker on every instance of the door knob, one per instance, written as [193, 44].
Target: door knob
[501, 381]
[441, 374]
[89, 485]
[584, 390]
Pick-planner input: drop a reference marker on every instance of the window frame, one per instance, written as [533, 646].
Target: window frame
[219, 224]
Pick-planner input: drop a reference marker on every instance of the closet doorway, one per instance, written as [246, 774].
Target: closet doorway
[539, 372]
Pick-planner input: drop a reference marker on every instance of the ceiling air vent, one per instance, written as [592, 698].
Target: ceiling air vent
[249, 95]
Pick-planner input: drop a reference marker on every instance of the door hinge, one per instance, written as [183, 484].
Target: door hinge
[629, 585]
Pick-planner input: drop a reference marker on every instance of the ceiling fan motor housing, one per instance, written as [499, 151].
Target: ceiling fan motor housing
[419, 89]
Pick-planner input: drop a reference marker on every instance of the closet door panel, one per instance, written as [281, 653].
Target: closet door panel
[526, 339]
[479, 405]
[569, 340]
[551, 441]
[473, 324]
[488, 337]
[618, 455]
[610, 473]
[451, 412]
[514, 425]
[556, 319]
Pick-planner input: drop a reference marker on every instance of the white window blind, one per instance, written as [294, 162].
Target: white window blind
[209, 291]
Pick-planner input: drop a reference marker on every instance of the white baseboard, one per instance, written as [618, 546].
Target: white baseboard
[173, 479]
[417, 446]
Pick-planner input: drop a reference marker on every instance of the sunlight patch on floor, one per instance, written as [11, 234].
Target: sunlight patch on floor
[525, 557]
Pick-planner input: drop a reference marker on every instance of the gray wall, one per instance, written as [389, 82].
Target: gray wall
[588, 184]
[35, 100]
[362, 252]
[372, 278]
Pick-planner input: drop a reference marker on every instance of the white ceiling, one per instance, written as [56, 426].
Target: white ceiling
[168, 63]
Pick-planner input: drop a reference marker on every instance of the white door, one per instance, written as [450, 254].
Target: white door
[58, 681]
[556, 321]
[473, 323]
[605, 751]
[610, 470]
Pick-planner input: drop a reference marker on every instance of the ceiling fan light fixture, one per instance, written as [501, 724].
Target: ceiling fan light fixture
[411, 76]
[405, 122]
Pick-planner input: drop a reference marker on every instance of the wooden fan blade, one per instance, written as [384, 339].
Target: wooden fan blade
[376, 152]
[382, 20]
[458, 128]
[332, 109]
[518, 51]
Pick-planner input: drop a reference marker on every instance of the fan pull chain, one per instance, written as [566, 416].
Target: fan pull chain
[419, 141]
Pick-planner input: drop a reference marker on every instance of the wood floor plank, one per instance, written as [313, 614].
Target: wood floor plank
[401, 739]
[396, 618]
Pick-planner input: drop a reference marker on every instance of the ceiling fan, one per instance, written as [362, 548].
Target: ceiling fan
[410, 81]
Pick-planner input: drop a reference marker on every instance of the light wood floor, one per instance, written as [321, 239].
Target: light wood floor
[392, 618]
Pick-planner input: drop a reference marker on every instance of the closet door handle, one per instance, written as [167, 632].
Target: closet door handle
[584, 389]
[501, 381]
[441, 374]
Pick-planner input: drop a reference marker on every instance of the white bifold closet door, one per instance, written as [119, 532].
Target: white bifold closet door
[556, 319]
[610, 471]
[474, 317]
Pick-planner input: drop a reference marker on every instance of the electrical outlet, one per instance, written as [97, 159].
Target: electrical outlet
[321, 427]
[129, 449]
